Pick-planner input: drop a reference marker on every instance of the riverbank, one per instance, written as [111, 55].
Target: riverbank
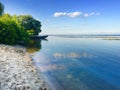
[17, 71]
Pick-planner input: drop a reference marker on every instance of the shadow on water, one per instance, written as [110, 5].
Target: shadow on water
[35, 45]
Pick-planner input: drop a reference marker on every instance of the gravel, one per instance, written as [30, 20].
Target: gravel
[17, 71]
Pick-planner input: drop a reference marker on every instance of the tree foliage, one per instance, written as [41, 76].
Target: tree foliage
[12, 32]
[31, 25]
[17, 29]
[1, 8]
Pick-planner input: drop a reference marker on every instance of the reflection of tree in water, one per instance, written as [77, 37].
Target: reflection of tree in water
[34, 45]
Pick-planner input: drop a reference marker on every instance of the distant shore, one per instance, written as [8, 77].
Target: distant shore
[103, 37]
[17, 71]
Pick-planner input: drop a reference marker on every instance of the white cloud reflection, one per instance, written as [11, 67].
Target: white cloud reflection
[51, 67]
[72, 55]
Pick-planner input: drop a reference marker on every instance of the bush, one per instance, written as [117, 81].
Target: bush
[11, 32]
[30, 25]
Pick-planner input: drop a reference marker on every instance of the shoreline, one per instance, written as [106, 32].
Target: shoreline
[17, 71]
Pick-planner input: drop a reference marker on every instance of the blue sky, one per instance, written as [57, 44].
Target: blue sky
[70, 16]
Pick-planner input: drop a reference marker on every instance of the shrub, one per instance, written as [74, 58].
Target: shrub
[11, 32]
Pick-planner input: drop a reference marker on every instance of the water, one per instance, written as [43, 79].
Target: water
[80, 63]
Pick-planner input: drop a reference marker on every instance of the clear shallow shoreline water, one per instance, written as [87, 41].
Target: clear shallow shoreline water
[80, 63]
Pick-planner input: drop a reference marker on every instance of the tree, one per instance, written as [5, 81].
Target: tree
[1, 8]
[31, 25]
[17, 29]
[12, 32]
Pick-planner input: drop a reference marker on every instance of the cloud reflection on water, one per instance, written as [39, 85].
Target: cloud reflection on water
[47, 66]
[51, 67]
[72, 55]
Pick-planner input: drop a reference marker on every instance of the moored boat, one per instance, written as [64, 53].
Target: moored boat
[39, 37]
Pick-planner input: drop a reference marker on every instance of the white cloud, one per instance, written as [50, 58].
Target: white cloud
[58, 14]
[86, 15]
[91, 14]
[75, 14]
[72, 14]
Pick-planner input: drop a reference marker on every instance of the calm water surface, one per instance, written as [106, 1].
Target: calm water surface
[80, 63]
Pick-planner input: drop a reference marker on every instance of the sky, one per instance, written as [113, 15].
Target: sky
[70, 16]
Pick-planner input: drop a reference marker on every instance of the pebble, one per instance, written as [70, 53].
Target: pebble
[17, 71]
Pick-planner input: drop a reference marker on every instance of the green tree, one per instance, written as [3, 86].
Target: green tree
[12, 32]
[31, 25]
[1, 8]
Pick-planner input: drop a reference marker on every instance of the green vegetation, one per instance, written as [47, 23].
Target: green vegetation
[30, 25]
[12, 32]
[17, 29]
[1, 8]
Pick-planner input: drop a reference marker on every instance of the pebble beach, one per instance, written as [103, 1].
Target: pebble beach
[17, 71]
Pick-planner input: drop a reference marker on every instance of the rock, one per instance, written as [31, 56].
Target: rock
[40, 88]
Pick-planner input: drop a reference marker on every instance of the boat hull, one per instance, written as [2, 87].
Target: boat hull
[39, 37]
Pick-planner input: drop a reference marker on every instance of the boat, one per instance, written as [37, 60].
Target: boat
[39, 37]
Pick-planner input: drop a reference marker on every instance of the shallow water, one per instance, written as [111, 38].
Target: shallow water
[80, 63]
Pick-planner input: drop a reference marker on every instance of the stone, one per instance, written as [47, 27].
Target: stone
[17, 71]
